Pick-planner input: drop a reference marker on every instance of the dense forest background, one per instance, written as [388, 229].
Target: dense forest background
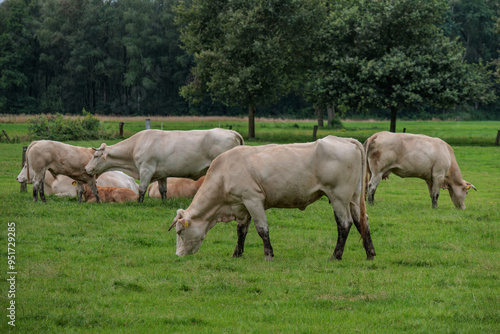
[125, 57]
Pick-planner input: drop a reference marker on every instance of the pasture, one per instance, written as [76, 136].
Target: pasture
[112, 268]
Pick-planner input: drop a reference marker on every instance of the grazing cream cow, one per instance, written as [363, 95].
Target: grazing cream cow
[245, 181]
[177, 187]
[109, 194]
[408, 155]
[154, 155]
[59, 159]
[61, 185]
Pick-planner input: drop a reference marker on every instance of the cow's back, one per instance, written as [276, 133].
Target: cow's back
[59, 158]
[293, 175]
[182, 153]
[407, 155]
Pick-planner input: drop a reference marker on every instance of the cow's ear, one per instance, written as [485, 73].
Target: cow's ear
[73, 183]
[179, 215]
[469, 185]
[184, 222]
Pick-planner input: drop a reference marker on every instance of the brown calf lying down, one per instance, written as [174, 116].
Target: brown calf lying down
[110, 194]
[177, 187]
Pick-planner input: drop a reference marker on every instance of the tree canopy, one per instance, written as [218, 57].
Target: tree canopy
[134, 57]
[391, 54]
[247, 53]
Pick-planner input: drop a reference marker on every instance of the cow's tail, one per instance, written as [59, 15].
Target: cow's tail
[363, 221]
[27, 163]
[239, 137]
[368, 173]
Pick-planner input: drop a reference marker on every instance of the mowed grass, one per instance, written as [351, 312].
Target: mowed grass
[112, 268]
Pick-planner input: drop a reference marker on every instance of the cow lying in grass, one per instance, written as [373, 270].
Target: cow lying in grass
[177, 187]
[109, 194]
[408, 155]
[62, 185]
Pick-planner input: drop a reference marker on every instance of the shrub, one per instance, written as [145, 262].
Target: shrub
[62, 129]
[336, 124]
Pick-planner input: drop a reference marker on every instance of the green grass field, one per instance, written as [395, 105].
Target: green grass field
[112, 268]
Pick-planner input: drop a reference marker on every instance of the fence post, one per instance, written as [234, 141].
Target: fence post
[404, 130]
[315, 130]
[23, 184]
[148, 124]
[121, 129]
[497, 141]
[6, 136]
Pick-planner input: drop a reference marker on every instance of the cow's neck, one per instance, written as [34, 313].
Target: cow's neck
[121, 155]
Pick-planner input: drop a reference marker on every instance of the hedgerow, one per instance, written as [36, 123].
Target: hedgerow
[64, 128]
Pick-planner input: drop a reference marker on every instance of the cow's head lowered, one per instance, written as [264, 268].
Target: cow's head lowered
[189, 235]
[97, 164]
[458, 193]
[23, 175]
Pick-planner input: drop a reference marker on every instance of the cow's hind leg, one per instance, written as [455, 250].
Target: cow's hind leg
[258, 214]
[372, 186]
[38, 181]
[242, 231]
[367, 242]
[344, 223]
[162, 187]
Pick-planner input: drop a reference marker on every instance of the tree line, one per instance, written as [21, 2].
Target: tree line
[271, 58]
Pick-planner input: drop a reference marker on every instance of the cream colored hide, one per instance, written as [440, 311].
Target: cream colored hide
[245, 181]
[110, 195]
[62, 185]
[408, 155]
[59, 159]
[155, 155]
[177, 187]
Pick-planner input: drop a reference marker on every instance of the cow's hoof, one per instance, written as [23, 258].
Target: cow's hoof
[335, 258]
[269, 257]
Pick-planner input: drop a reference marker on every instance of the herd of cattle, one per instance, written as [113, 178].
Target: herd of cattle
[230, 181]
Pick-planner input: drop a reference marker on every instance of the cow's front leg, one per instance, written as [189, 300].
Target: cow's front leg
[242, 230]
[162, 186]
[93, 187]
[264, 234]
[145, 175]
[79, 191]
[255, 207]
[434, 189]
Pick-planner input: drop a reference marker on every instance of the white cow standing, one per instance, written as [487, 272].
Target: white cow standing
[409, 155]
[154, 155]
[245, 181]
[59, 159]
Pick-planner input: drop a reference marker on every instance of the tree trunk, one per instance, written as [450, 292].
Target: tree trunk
[331, 114]
[251, 121]
[320, 115]
[394, 112]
